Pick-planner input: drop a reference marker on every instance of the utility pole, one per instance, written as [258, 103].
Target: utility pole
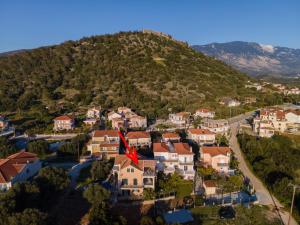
[292, 205]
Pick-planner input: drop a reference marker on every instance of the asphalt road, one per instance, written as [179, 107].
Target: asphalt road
[263, 195]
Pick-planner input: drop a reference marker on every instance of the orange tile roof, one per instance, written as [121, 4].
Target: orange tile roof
[199, 131]
[137, 134]
[160, 147]
[210, 183]
[64, 117]
[215, 150]
[182, 149]
[204, 110]
[170, 135]
[124, 162]
[14, 164]
[102, 133]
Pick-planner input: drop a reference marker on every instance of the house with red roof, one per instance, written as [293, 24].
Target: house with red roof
[170, 136]
[201, 136]
[204, 113]
[216, 157]
[132, 179]
[104, 143]
[174, 157]
[18, 167]
[138, 138]
[64, 122]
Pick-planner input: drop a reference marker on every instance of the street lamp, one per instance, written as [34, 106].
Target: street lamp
[295, 186]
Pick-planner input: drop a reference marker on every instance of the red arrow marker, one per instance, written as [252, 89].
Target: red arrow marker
[131, 152]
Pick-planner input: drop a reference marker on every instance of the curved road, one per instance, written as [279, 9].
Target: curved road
[263, 195]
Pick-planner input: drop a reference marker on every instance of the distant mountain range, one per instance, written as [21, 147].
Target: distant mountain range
[255, 59]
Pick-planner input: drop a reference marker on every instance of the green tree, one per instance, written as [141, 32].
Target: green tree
[96, 194]
[53, 179]
[100, 170]
[28, 216]
[39, 147]
[146, 220]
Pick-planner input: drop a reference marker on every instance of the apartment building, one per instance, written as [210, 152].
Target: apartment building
[104, 143]
[132, 179]
[201, 136]
[138, 139]
[216, 157]
[64, 122]
[174, 157]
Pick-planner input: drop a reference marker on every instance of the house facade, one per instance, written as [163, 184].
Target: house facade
[272, 120]
[94, 112]
[201, 136]
[210, 187]
[104, 143]
[126, 118]
[204, 113]
[18, 167]
[132, 179]
[138, 139]
[64, 122]
[216, 157]
[174, 157]
[217, 126]
[180, 119]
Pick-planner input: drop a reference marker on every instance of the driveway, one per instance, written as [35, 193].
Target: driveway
[263, 195]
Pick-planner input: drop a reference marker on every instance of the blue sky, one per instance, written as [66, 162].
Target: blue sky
[34, 23]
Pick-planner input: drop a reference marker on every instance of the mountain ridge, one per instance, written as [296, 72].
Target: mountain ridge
[254, 58]
[145, 71]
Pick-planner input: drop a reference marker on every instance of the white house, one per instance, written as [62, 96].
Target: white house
[94, 113]
[204, 113]
[18, 167]
[181, 118]
[64, 122]
[173, 157]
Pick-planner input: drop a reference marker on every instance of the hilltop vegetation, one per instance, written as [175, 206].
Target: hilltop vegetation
[147, 72]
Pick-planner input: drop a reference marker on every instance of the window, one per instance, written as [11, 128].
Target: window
[124, 182]
[185, 168]
[135, 182]
[128, 170]
[132, 170]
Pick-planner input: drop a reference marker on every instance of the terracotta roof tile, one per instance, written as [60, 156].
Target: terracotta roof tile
[210, 183]
[137, 134]
[64, 117]
[14, 164]
[182, 149]
[199, 131]
[170, 135]
[214, 151]
[102, 133]
[160, 147]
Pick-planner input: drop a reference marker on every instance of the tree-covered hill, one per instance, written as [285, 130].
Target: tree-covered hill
[147, 72]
